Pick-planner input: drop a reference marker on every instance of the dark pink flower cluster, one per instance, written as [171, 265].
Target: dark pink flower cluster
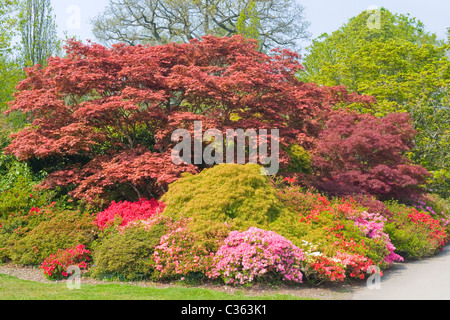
[55, 266]
[125, 212]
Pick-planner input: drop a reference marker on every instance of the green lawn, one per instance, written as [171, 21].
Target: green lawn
[12, 288]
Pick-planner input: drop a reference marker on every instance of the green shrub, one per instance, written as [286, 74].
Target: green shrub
[232, 193]
[17, 188]
[7, 241]
[410, 244]
[415, 234]
[128, 254]
[300, 159]
[64, 229]
[16, 226]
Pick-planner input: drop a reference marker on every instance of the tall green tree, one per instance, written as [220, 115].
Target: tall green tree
[38, 32]
[404, 67]
[249, 23]
[7, 22]
[10, 71]
[281, 22]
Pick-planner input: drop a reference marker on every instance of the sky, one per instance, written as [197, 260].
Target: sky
[73, 16]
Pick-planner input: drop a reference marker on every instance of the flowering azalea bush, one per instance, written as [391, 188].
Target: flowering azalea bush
[339, 237]
[321, 267]
[185, 250]
[436, 207]
[125, 212]
[373, 224]
[55, 266]
[436, 234]
[256, 254]
[416, 234]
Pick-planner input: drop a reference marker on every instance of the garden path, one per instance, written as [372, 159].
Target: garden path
[427, 279]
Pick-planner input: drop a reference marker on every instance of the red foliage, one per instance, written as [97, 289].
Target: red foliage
[373, 205]
[364, 154]
[107, 115]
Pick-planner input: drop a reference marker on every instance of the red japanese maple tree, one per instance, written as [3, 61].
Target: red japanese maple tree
[360, 153]
[105, 115]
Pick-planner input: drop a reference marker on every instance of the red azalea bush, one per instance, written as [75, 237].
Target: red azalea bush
[437, 234]
[55, 266]
[435, 206]
[356, 265]
[415, 234]
[339, 238]
[324, 268]
[123, 213]
[336, 268]
[256, 254]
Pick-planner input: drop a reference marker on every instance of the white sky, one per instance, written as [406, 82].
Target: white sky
[324, 15]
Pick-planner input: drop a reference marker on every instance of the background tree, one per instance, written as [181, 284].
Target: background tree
[7, 33]
[405, 68]
[249, 23]
[38, 32]
[280, 23]
[10, 71]
[7, 22]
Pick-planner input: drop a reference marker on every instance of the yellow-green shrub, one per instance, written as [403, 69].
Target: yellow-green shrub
[232, 193]
[63, 230]
[300, 159]
[128, 255]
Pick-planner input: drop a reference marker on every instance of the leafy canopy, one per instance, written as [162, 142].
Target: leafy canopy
[102, 118]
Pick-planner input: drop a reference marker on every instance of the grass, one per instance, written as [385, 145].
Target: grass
[12, 288]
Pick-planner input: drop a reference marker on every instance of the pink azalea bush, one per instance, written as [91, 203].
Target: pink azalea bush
[254, 254]
[182, 251]
[372, 224]
[125, 212]
[55, 266]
